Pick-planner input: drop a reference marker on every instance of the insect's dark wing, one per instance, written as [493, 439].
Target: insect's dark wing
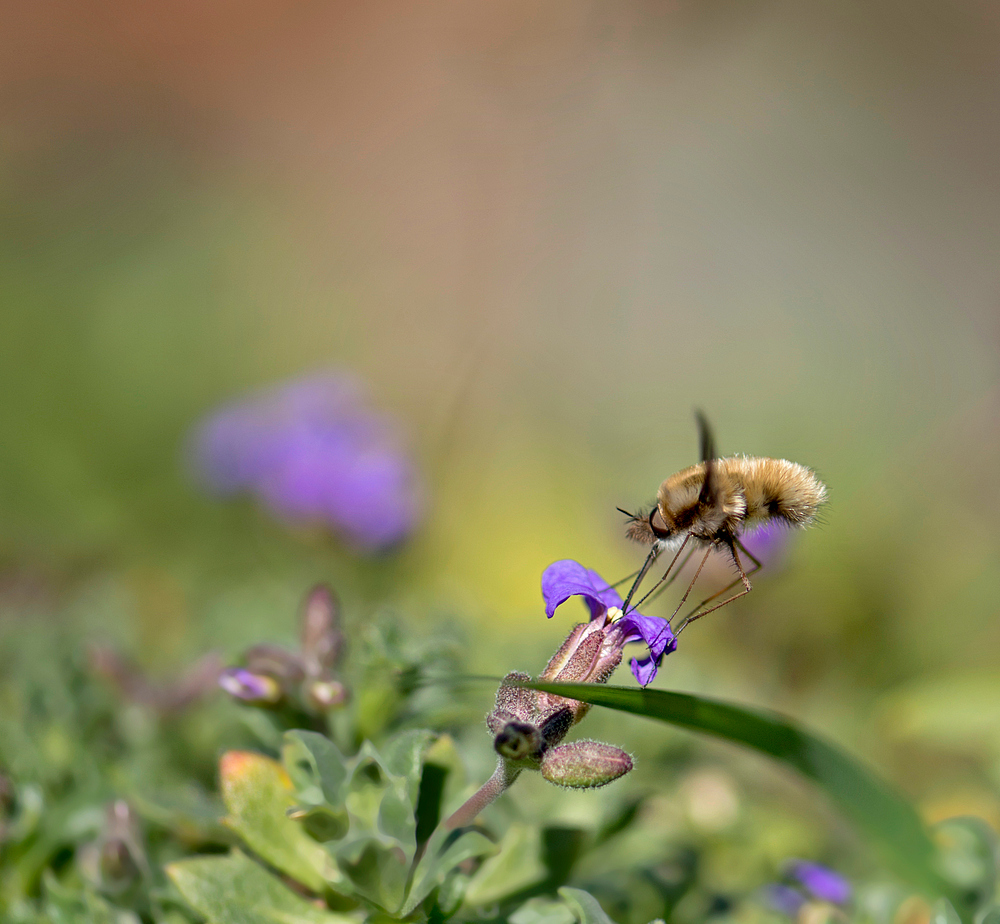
[709, 487]
[705, 437]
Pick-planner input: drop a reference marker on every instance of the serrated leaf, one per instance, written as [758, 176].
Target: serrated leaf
[586, 908]
[889, 822]
[236, 890]
[258, 794]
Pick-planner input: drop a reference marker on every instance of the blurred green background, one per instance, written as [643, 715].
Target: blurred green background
[543, 235]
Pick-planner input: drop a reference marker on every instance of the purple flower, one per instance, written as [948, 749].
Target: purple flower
[768, 542]
[248, 686]
[821, 882]
[783, 898]
[312, 451]
[568, 578]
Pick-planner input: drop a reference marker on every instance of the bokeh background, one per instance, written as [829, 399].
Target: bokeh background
[543, 234]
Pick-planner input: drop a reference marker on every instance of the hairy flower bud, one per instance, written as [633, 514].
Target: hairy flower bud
[585, 764]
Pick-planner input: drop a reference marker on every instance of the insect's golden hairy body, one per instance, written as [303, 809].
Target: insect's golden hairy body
[748, 490]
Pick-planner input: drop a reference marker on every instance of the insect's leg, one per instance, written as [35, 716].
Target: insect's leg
[628, 577]
[687, 592]
[670, 567]
[664, 582]
[744, 577]
[757, 564]
[650, 558]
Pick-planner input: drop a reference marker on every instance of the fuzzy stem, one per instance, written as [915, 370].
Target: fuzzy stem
[491, 790]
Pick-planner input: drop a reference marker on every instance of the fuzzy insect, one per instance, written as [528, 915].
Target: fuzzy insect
[711, 504]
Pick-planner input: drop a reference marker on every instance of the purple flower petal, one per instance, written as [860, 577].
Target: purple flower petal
[253, 688]
[655, 632]
[821, 882]
[644, 669]
[313, 452]
[567, 578]
[783, 899]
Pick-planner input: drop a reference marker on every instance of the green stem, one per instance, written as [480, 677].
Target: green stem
[489, 792]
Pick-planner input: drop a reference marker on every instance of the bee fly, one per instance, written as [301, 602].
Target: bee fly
[709, 505]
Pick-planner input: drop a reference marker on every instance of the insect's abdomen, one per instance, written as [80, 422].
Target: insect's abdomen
[776, 489]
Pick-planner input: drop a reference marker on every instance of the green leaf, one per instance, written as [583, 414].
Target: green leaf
[586, 908]
[944, 913]
[888, 821]
[235, 890]
[376, 872]
[316, 767]
[969, 853]
[517, 865]
[67, 905]
[542, 911]
[258, 794]
[444, 851]
[400, 759]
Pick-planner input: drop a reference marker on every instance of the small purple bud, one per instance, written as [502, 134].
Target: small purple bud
[250, 687]
[585, 764]
[821, 882]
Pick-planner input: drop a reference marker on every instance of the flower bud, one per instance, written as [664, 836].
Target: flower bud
[257, 689]
[117, 867]
[324, 695]
[585, 764]
[322, 640]
[274, 661]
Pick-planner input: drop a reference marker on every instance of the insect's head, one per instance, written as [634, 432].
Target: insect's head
[647, 527]
[657, 524]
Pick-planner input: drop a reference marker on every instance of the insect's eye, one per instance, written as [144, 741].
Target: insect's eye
[657, 525]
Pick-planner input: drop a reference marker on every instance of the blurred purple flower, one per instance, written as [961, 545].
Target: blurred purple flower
[783, 899]
[768, 543]
[312, 451]
[253, 688]
[567, 578]
[821, 882]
